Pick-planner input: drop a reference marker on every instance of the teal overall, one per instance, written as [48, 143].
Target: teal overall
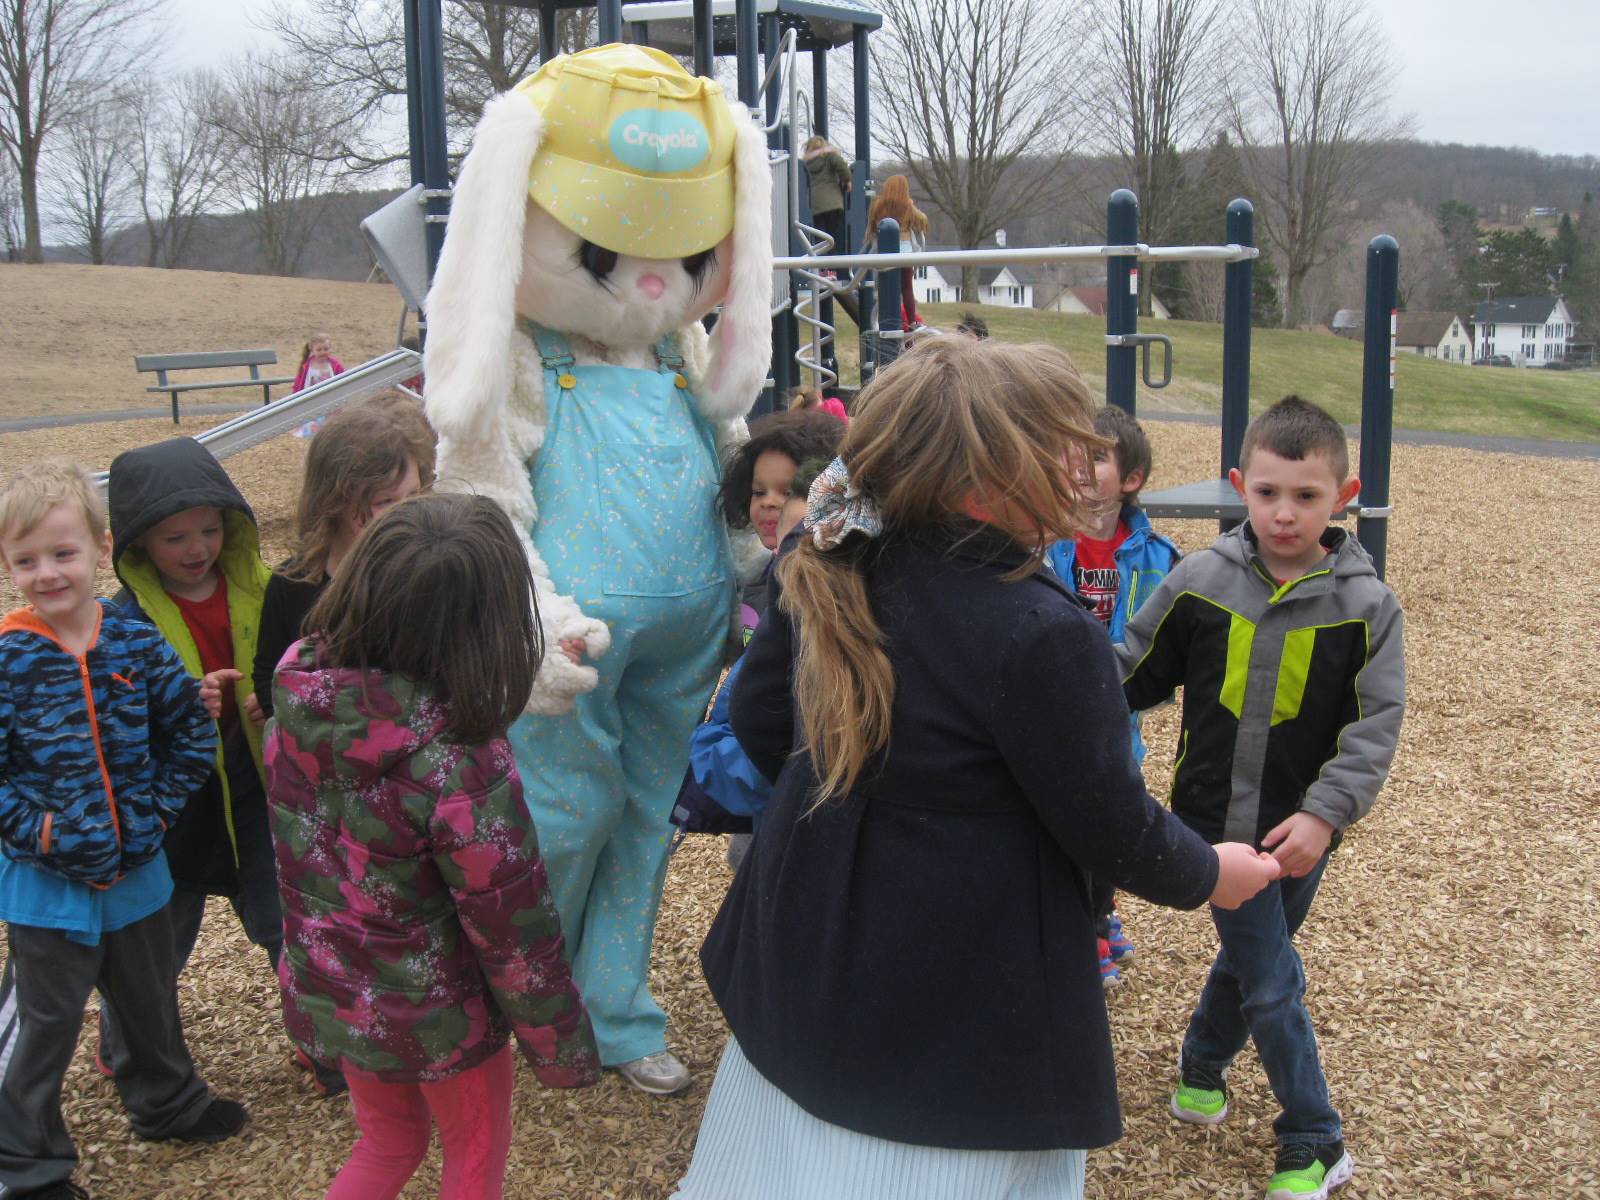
[625, 482]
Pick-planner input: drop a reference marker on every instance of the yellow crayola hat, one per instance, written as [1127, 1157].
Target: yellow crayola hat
[637, 154]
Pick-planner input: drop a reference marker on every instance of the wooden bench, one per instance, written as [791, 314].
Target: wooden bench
[254, 359]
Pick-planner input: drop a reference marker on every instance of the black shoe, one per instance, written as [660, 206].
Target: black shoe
[218, 1122]
[65, 1190]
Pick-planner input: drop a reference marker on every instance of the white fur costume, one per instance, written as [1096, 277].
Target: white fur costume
[508, 264]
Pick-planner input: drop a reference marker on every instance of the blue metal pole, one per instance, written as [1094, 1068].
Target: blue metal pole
[1237, 297]
[413, 90]
[860, 184]
[771, 34]
[549, 34]
[435, 155]
[1122, 306]
[819, 91]
[889, 323]
[610, 21]
[1377, 396]
[705, 55]
[747, 41]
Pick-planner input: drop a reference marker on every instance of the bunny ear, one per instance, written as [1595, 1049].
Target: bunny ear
[472, 303]
[741, 343]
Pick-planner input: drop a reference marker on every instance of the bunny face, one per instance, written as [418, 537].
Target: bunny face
[575, 286]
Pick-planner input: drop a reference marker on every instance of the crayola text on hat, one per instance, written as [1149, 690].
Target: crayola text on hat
[637, 154]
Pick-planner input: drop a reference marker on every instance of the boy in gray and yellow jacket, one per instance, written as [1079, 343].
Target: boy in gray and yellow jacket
[1288, 649]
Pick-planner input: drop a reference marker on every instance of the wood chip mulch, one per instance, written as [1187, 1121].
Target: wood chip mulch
[1452, 955]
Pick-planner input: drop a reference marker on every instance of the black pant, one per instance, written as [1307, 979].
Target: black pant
[48, 979]
[832, 224]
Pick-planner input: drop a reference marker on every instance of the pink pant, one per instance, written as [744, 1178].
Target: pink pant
[473, 1112]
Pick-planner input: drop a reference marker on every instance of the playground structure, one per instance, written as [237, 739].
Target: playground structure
[407, 235]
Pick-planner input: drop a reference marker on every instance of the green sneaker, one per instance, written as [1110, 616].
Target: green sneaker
[1305, 1172]
[1202, 1095]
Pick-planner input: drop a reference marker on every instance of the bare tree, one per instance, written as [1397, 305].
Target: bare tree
[90, 185]
[176, 153]
[1157, 91]
[963, 89]
[359, 50]
[10, 210]
[1309, 104]
[56, 57]
[282, 154]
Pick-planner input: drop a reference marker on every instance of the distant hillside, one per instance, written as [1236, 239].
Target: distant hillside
[1502, 183]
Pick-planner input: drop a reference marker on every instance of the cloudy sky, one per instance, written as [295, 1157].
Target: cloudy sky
[1474, 71]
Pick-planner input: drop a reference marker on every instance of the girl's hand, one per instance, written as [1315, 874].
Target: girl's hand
[1241, 873]
[573, 648]
[252, 709]
[211, 685]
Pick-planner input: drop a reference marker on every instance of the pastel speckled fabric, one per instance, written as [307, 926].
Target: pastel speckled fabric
[624, 481]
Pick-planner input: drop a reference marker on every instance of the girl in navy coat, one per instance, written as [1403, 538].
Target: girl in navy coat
[907, 960]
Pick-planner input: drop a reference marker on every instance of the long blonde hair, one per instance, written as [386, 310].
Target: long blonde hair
[952, 424]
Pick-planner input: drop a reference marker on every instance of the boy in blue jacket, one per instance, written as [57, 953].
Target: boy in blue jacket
[102, 739]
[1115, 567]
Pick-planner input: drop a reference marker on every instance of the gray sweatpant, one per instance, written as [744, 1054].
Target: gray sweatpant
[48, 980]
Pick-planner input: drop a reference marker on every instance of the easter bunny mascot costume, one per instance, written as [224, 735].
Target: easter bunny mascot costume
[609, 201]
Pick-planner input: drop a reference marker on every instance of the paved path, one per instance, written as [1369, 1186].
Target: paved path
[1410, 437]
[19, 424]
[1536, 447]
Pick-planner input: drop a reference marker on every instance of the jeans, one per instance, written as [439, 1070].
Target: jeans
[1256, 991]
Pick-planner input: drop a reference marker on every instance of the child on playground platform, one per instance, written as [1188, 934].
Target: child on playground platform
[1116, 564]
[102, 741]
[317, 365]
[189, 557]
[1288, 649]
[420, 933]
[905, 960]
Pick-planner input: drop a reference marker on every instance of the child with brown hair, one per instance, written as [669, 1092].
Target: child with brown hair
[894, 201]
[367, 459]
[413, 955]
[812, 400]
[907, 959]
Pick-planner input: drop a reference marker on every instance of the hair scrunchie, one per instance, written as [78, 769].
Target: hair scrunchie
[836, 508]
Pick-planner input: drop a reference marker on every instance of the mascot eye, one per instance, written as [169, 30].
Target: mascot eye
[699, 266]
[597, 260]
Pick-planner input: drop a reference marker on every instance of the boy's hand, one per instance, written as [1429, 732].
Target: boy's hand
[1299, 843]
[1242, 871]
[252, 710]
[211, 685]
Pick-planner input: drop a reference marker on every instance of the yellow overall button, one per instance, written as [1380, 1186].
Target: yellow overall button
[680, 380]
[567, 381]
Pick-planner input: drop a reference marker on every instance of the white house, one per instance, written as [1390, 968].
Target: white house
[1089, 301]
[936, 285]
[1441, 335]
[1000, 285]
[1530, 330]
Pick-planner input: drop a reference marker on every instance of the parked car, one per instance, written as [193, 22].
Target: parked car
[1494, 360]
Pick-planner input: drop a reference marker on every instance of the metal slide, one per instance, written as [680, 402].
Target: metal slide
[282, 416]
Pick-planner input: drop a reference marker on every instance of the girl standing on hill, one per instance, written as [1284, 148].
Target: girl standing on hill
[419, 932]
[907, 958]
[894, 200]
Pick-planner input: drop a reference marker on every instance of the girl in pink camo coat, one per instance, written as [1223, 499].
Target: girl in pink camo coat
[419, 933]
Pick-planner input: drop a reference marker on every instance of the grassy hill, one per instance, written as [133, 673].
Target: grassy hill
[1560, 405]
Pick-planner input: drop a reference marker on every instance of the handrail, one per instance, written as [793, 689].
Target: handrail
[1004, 256]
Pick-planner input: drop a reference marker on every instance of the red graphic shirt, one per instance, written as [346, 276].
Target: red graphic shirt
[1094, 571]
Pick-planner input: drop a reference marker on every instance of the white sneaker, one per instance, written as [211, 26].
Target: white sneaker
[660, 1073]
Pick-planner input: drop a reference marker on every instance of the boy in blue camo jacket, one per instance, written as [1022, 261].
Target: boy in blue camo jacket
[103, 736]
